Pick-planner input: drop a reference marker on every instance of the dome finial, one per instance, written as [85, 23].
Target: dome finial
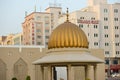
[67, 15]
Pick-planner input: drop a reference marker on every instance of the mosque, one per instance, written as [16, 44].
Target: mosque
[67, 47]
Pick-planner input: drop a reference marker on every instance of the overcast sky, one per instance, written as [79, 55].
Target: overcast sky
[12, 12]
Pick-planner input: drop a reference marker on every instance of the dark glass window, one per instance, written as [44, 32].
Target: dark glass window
[115, 10]
[105, 27]
[115, 61]
[107, 61]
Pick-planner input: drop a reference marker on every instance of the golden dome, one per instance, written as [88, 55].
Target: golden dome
[67, 35]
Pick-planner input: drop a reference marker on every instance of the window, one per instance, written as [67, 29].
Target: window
[117, 52]
[116, 27]
[105, 10]
[32, 34]
[81, 17]
[115, 61]
[39, 36]
[117, 44]
[81, 25]
[38, 43]
[115, 10]
[105, 27]
[106, 52]
[116, 19]
[107, 61]
[47, 37]
[32, 38]
[106, 44]
[105, 19]
[106, 35]
[92, 18]
[116, 35]
[38, 30]
[46, 30]
[46, 24]
[95, 26]
[59, 13]
[95, 35]
[95, 43]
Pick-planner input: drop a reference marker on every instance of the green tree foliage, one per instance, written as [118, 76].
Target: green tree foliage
[87, 79]
[14, 78]
[28, 78]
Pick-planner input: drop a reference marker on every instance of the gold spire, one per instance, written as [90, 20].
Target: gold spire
[67, 15]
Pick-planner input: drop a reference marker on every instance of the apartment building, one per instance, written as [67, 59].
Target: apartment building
[38, 26]
[101, 23]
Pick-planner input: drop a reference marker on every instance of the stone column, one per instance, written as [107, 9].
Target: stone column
[42, 73]
[52, 73]
[49, 73]
[87, 72]
[69, 72]
[95, 72]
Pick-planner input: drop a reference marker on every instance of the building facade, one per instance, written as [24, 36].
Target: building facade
[18, 39]
[101, 23]
[38, 26]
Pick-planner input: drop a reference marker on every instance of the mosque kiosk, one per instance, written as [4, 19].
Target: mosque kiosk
[68, 47]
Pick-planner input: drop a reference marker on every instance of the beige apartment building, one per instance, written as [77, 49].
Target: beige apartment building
[101, 23]
[38, 26]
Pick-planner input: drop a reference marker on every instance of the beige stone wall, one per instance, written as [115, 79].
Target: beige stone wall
[11, 55]
[100, 67]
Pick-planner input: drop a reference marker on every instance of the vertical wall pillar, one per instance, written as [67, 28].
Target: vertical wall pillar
[95, 72]
[42, 73]
[69, 72]
[49, 73]
[87, 72]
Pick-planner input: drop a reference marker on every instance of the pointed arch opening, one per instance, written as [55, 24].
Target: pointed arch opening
[2, 70]
[20, 69]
